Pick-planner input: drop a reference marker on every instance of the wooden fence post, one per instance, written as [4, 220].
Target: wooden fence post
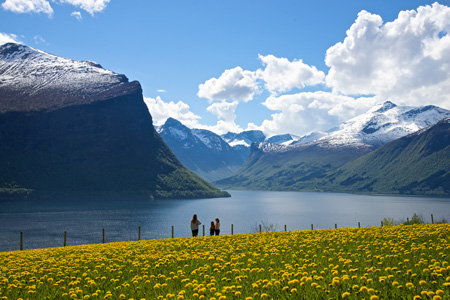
[65, 238]
[432, 220]
[231, 229]
[285, 229]
[259, 228]
[172, 231]
[139, 234]
[381, 223]
[359, 225]
[335, 226]
[407, 220]
[312, 227]
[103, 230]
[203, 230]
[21, 240]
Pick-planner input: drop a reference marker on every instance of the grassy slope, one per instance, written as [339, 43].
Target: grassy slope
[417, 164]
[299, 169]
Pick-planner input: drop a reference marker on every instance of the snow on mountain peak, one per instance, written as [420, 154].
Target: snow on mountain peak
[382, 124]
[36, 74]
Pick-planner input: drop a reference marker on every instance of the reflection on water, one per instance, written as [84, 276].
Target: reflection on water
[43, 223]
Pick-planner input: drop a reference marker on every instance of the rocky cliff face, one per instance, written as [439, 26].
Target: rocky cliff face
[69, 126]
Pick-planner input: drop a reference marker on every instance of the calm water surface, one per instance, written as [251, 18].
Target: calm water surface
[43, 223]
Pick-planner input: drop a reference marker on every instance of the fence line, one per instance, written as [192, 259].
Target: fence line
[173, 231]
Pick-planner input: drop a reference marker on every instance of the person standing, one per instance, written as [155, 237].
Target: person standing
[212, 229]
[217, 227]
[194, 225]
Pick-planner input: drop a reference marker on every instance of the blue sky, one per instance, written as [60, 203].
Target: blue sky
[278, 66]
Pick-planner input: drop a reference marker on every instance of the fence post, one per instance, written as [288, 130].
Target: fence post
[407, 220]
[103, 230]
[335, 226]
[231, 229]
[259, 228]
[172, 231]
[359, 225]
[381, 223]
[285, 228]
[65, 238]
[432, 220]
[312, 227]
[21, 240]
[139, 234]
[203, 230]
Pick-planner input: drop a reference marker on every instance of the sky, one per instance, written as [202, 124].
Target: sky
[277, 66]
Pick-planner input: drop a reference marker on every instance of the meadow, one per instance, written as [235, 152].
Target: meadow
[390, 262]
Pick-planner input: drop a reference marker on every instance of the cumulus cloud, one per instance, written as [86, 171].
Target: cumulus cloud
[8, 38]
[310, 111]
[224, 110]
[234, 85]
[91, 6]
[406, 61]
[161, 111]
[281, 75]
[28, 6]
[77, 15]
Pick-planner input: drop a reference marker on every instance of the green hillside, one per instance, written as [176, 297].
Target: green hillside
[415, 164]
[300, 168]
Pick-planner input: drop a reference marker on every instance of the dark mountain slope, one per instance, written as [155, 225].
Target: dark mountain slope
[91, 140]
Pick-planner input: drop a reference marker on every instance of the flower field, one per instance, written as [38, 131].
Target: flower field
[391, 262]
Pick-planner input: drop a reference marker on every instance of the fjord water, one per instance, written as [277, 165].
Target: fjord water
[43, 223]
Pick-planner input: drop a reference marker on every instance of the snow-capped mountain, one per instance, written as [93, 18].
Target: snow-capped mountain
[245, 138]
[38, 74]
[202, 151]
[282, 139]
[382, 124]
[70, 126]
[308, 138]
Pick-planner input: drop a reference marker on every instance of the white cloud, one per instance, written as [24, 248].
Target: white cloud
[310, 111]
[161, 111]
[8, 38]
[224, 110]
[91, 6]
[234, 84]
[222, 127]
[161, 91]
[28, 6]
[281, 75]
[38, 39]
[77, 15]
[406, 61]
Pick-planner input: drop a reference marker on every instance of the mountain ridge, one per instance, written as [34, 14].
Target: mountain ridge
[97, 138]
[306, 167]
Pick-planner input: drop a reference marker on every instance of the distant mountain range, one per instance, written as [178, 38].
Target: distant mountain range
[348, 158]
[211, 156]
[72, 127]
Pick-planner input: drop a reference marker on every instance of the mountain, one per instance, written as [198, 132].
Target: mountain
[72, 127]
[418, 163]
[202, 151]
[382, 124]
[282, 139]
[304, 167]
[245, 138]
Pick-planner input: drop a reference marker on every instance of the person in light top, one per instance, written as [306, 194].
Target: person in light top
[194, 225]
[217, 229]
